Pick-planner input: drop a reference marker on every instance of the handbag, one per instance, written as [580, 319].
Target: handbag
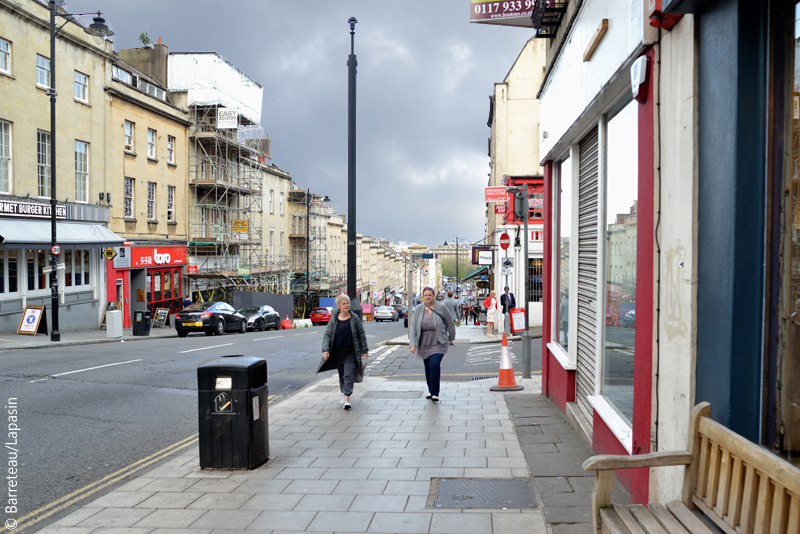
[360, 374]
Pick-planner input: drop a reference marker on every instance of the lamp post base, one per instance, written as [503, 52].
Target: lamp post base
[55, 335]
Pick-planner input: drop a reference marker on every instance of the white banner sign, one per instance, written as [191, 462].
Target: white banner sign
[227, 118]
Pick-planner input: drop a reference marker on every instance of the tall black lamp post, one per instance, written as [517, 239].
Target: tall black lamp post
[355, 306]
[99, 31]
[458, 289]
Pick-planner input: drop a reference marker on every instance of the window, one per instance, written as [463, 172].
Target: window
[271, 239]
[561, 249]
[5, 157]
[121, 75]
[5, 56]
[77, 268]
[281, 204]
[43, 163]
[281, 243]
[81, 171]
[129, 130]
[42, 71]
[151, 201]
[171, 203]
[37, 260]
[151, 143]
[271, 195]
[170, 149]
[152, 90]
[128, 213]
[81, 87]
[622, 180]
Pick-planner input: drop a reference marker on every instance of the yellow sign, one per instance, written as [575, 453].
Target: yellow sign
[109, 253]
[239, 227]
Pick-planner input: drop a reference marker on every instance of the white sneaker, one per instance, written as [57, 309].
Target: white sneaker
[346, 405]
[341, 401]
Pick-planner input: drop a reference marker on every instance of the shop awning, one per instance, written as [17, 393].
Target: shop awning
[32, 233]
[476, 272]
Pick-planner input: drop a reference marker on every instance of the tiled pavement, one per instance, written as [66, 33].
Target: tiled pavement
[374, 468]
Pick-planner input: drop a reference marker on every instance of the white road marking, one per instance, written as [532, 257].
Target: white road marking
[87, 369]
[205, 348]
[265, 338]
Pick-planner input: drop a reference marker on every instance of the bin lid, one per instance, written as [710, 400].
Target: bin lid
[245, 372]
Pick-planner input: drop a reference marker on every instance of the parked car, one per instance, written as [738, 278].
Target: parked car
[402, 311]
[630, 319]
[213, 318]
[261, 318]
[386, 313]
[321, 315]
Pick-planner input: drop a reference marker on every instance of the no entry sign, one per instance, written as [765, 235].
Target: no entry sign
[505, 241]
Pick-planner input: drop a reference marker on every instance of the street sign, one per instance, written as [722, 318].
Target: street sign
[423, 256]
[505, 241]
[495, 194]
[56, 250]
[109, 253]
[507, 263]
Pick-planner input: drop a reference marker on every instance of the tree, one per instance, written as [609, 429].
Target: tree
[144, 38]
[449, 266]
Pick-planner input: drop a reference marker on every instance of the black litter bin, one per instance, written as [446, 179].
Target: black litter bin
[141, 323]
[232, 401]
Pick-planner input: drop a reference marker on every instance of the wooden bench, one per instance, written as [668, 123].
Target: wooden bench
[738, 485]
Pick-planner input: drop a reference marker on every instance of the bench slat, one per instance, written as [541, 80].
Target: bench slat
[763, 505]
[713, 476]
[722, 524]
[611, 523]
[702, 474]
[793, 522]
[626, 517]
[747, 519]
[646, 520]
[665, 518]
[735, 498]
[780, 502]
[721, 508]
[687, 518]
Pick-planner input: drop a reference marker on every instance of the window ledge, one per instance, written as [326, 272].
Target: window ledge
[172, 223]
[42, 87]
[130, 219]
[152, 160]
[130, 153]
[152, 221]
[83, 102]
[619, 426]
[7, 74]
[561, 356]
[172, 164]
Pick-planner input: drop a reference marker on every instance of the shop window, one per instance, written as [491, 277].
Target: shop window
[535, 272]
[620, 292]
[149, 287]
[11, 265]
[67, 268]
[157, 286]
[562, 212]
[42, 262]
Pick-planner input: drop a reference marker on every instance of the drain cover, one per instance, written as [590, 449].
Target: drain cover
[485, 493]
[290, 353]
[393, 394]
[477, 378]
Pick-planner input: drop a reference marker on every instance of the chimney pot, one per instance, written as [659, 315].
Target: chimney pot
[160, 41]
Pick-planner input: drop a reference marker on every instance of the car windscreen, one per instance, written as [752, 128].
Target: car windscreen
[249, 310]
[319, 310]
[200, 306]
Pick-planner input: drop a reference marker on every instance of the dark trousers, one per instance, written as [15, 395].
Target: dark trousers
[433, 372]
[347, 367]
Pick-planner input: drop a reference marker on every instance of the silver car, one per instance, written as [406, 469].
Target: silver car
[386, 313]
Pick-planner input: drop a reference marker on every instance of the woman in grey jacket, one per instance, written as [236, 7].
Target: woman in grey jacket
[430, 332]
[344, 340]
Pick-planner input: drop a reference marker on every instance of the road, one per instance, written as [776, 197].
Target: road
[86, 412]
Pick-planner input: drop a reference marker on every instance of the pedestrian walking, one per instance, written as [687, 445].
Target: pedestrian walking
[508, 302]
[467, 311]
[343, 344]
[187, 301]
[430, 332]
[491, 313]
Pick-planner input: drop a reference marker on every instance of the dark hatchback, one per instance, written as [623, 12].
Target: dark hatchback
[213, 318]
[402, 311]
[261, 318]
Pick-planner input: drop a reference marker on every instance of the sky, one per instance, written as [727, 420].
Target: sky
[425, 75]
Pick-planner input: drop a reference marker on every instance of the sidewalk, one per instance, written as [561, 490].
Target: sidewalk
[10, 340]
[376, 468]
[473, 334]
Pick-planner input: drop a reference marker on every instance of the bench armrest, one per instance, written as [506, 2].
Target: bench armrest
[605, 462]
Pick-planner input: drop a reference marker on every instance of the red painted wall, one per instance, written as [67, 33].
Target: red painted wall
[547, 275]
[605, 442]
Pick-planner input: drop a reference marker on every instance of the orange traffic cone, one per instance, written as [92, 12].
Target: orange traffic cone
[506, 380]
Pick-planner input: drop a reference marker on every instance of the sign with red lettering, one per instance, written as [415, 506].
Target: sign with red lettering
[157, 256]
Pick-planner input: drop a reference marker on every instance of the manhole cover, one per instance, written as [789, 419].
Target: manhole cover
[289, 353]
[484, 493]
[393, 394]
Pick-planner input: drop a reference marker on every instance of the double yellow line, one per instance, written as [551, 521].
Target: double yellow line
[76, 496]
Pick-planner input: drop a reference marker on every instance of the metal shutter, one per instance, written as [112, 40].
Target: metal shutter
[588, 197]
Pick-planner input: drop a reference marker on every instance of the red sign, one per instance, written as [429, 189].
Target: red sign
[505, 241]
[56, 250]
[499, 209]
[495, 194]
[192, 268]
[157, 256]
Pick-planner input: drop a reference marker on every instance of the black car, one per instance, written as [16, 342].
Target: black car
[213, 318]
[261, 317]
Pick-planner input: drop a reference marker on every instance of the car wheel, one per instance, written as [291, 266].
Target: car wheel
[262, 325]
[243, 328]
[220, 328]
[182, 333]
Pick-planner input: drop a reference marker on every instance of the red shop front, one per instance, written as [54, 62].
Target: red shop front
[147, 277]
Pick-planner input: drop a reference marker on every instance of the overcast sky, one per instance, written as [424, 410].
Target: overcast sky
[424, 79]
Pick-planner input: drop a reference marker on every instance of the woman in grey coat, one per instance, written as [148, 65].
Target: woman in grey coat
[344, 340]
[430, 332]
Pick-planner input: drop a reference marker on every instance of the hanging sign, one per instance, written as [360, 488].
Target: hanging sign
[500, 209]
[495, 194]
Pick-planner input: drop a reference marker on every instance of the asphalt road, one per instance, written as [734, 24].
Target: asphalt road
[86, 412]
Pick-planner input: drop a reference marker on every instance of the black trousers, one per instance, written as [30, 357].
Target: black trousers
[347, 365]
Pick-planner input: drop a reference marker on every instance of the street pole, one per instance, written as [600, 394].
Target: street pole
[307, 313]
[526, 334]
[457, 291]
[355, 306]
[55, 335]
